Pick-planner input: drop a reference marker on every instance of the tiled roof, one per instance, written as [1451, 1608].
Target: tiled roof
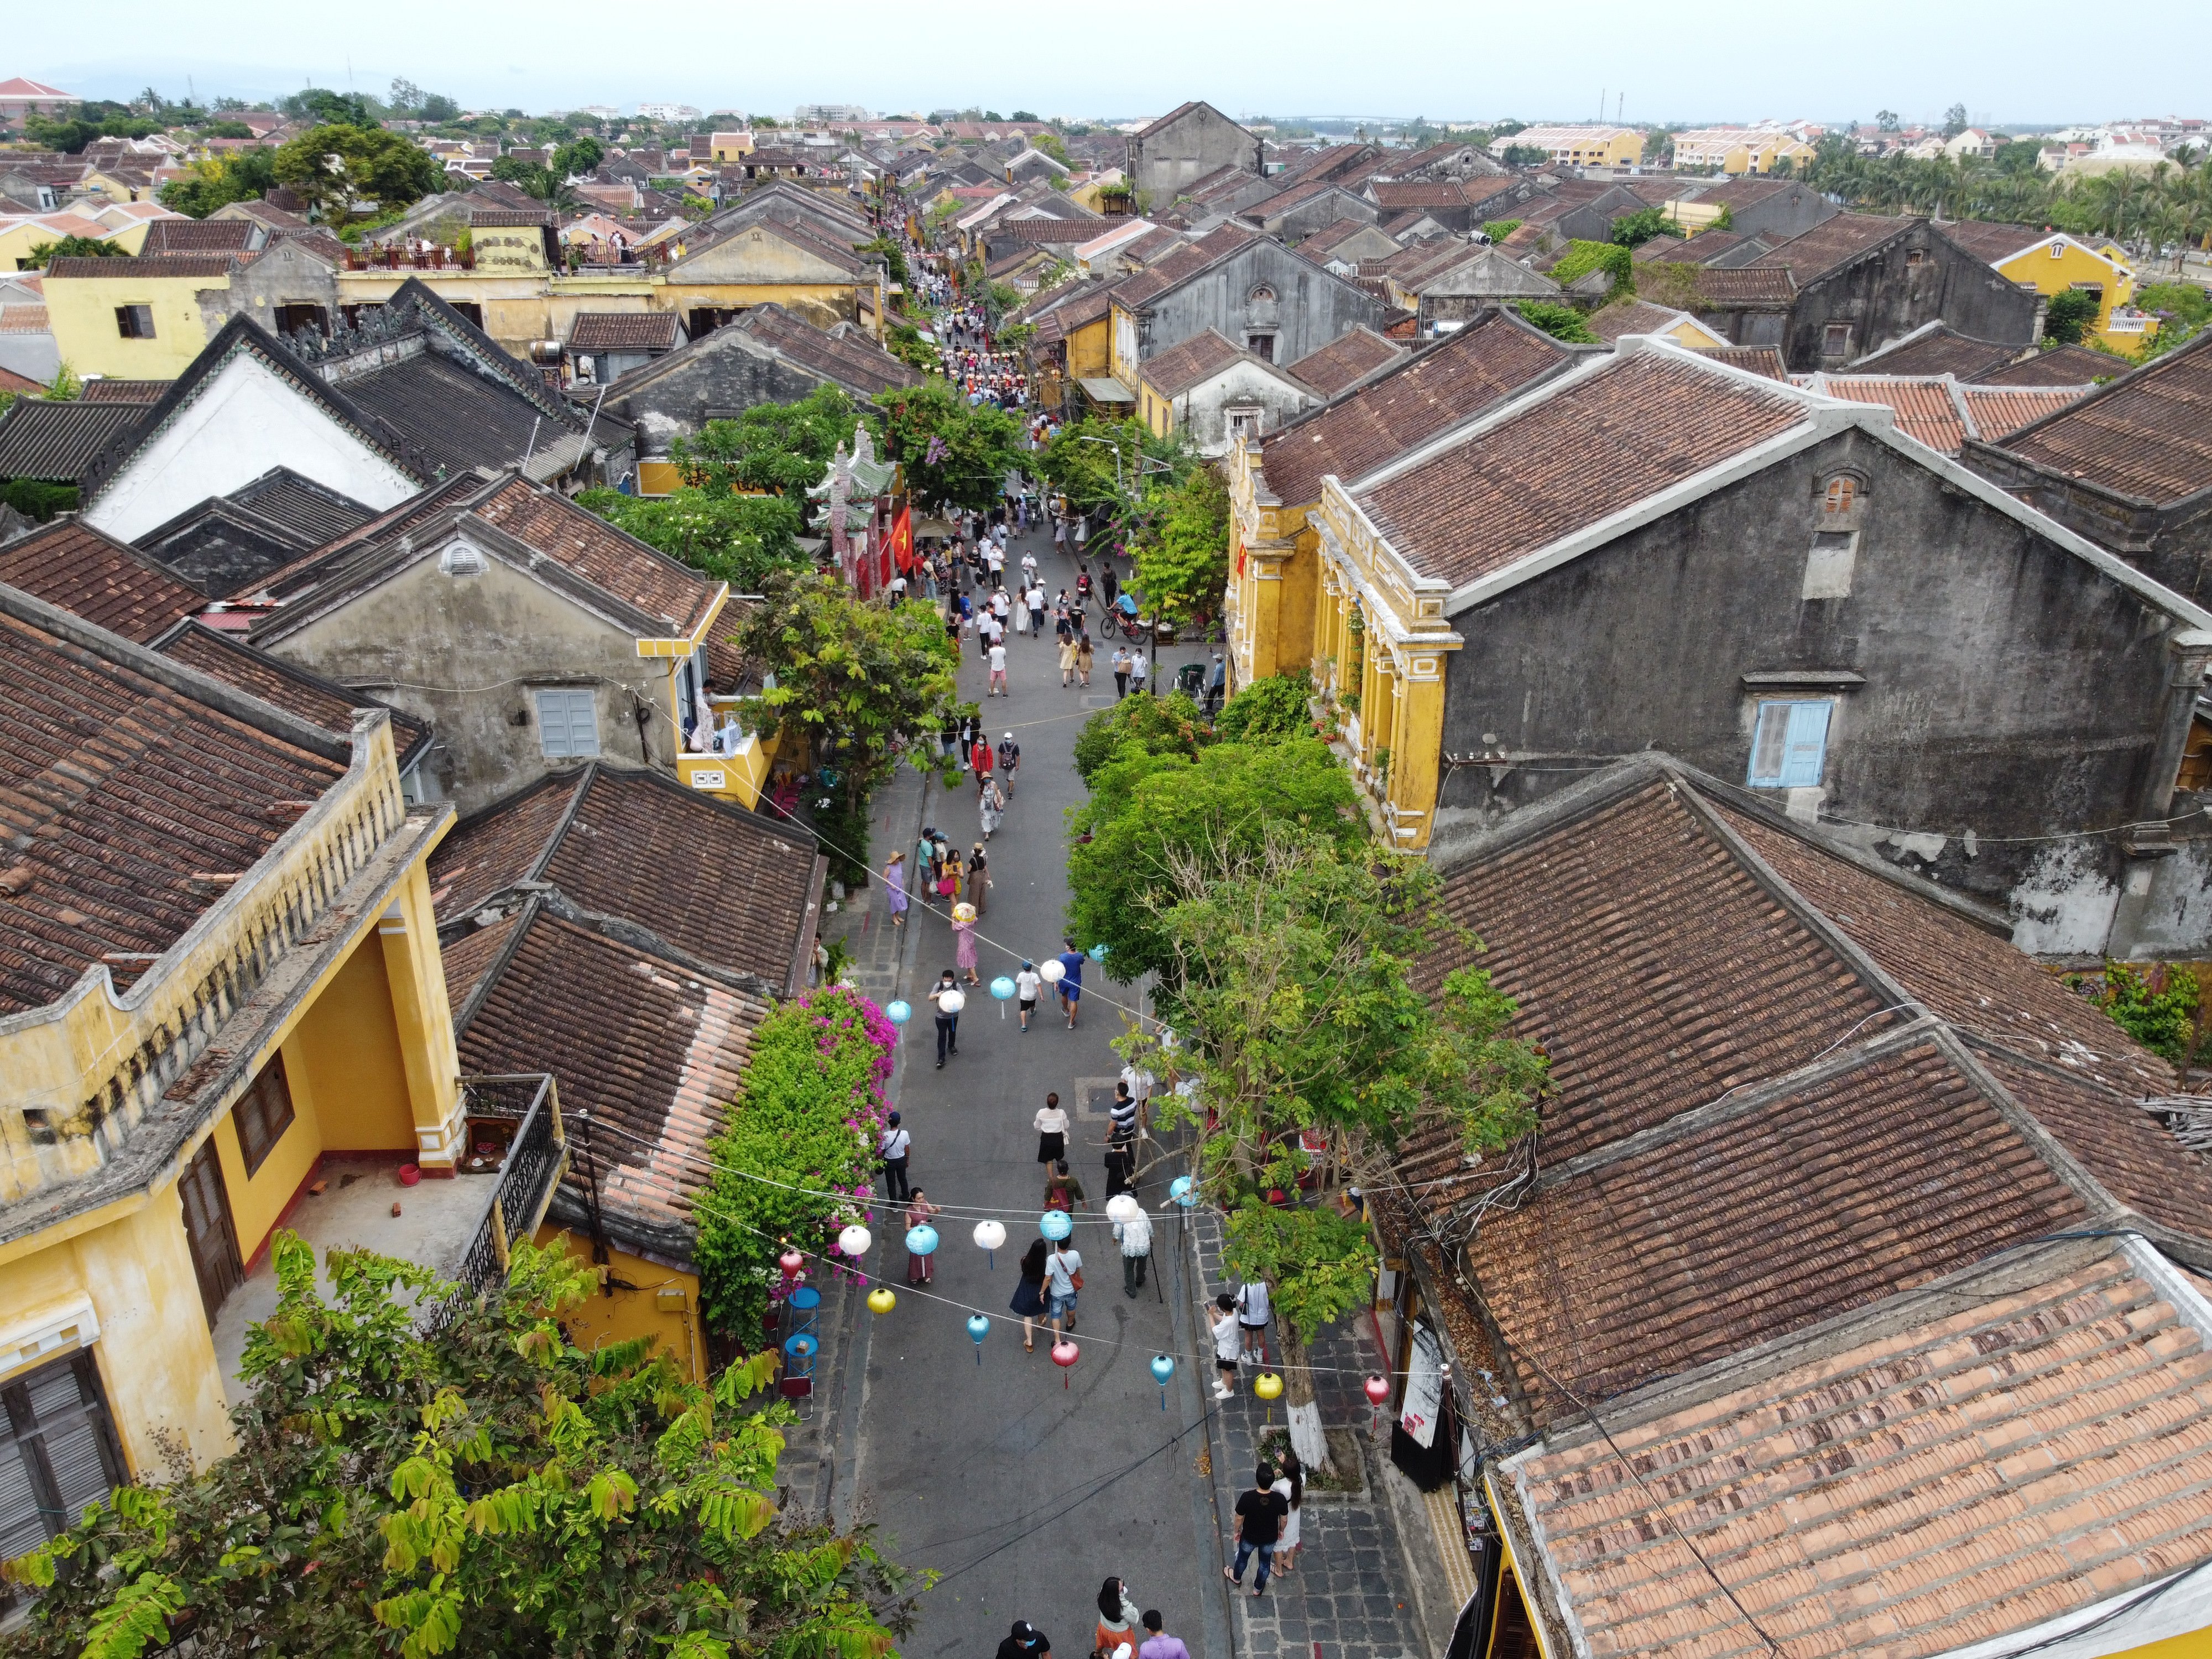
[1992, 242]
[1994, 412]
[1745, 285]
[301, 505]
[181, 236]
[2147, 437]
[587, 544]
[1765, 360]
[854, 362]
[1424, 196]
[1939, 349]
[509, 218]
[720, 883]
[119, 794]
[623, 330]
[2058, 366]
[1346, 360]
[71, 564]
[1953, 1472]
[102, 389]
[653, 1051]
[1068, 231]
[438, 408]
[1135, 292]
[1185, 364]
[228, 658]
[58, 443]
[1633, 317]
[25, 319]
[1491, 358]
[118, 267]
[1831, 244]
[1589, 449]
[1317, 246]
[1928, 406]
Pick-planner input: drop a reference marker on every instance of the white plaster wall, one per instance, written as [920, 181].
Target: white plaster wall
[245, 421]
[2063, 906]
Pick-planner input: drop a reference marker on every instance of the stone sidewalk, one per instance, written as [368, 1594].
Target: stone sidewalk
[1355, 1592]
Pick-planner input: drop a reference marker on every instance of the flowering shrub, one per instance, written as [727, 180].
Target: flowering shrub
[807, 1119]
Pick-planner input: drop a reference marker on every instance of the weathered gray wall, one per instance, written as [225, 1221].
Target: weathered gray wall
[1203, 411]
[1887, 295]
[425, 630]
[2171, 545]
[719, 377]
[1193, 145]
[1310, 307]
[283, 274]
[2010, 688]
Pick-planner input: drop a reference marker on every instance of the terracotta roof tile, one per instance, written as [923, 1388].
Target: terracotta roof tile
[2058, 366]
[1589, 449]
[1184, 365]
[118, 267]
[1996, 411]
[2147, 437]
[1764, 361]
[492, 850]
[623, 330]
[71, 564]
[103, 390]
[1831, 244]
[228, 658]
[1344, 362]
[1928, 406]
[1455, 379]
[595, 550]
[1991, 241]
[1939, 349]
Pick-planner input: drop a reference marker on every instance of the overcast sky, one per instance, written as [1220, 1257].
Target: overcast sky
[1722, 60]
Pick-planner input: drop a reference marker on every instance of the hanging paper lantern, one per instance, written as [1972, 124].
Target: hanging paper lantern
[1377, 1389]
[1123, 1207]
[791, 1261]
[881, 1300]
[1054, 1224]
[1052, 972]
[989, 1235]
[855, 1239]
[1162, 1368]
[1064, 1354]
[1098, 953]
[1002, 987]
[1183, 1190]
[1268, 1386]
[922, 1241]
[951, 1002]
[899, 1012]
[978, 1327]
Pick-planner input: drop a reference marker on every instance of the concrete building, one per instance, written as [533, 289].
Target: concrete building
[1169, 155]
[1217, 393]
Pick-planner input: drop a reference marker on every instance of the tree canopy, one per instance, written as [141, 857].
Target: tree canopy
[70, 247]
[245, 175]
[473, 1484]
[739, 539]
[952, 450]
[333, 165]
[1560, 322]
[1183, 547]
[781, 448]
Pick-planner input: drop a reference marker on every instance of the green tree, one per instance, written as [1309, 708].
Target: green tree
[1152, 725]
[2157, 1005]
[778, 448]
[862, 684]
[1148, 813]
[328, 108]
[479, 1486]
[1290, 982]
[1265, 710]
[1634, 230]
[245, 175]
[1954, 120]
[951, 450]
[68, 247]
[2067, 316]
[739, 539]
[333, 165]
[1526, 156]
[1560, 322]
[1182, 551]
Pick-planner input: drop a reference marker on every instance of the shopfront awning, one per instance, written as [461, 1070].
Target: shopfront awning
[1103, 389]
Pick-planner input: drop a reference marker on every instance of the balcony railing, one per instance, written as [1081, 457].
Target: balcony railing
[517, 1117]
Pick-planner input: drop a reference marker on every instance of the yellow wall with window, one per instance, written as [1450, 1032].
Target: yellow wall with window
[638, 1298]
[81, 311]
[2059, 264]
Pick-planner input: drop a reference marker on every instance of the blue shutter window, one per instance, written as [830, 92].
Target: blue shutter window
[1789, 745]
[568, 724]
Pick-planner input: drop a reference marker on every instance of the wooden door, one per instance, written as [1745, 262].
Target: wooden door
[208, 1229]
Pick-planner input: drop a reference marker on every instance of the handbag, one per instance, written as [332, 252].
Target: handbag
[1075, 1279]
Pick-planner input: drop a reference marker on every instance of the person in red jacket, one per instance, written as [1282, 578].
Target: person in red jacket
[979, 761]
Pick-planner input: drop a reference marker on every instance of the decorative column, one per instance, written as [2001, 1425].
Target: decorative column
[407, 932]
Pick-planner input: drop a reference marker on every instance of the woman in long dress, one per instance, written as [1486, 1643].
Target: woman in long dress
[964, 934]
[992, 807]
[979, 878]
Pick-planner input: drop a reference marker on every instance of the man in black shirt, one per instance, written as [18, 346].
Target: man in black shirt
[1027, 1642]
[1261, 1513]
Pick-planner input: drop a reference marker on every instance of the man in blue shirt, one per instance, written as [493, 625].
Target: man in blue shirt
[1071, 982]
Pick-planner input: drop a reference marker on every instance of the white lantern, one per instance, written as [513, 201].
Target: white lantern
[854, 1240]
[1123, 1207]
[1054, 971]
[951, 1002]
[990, 1235]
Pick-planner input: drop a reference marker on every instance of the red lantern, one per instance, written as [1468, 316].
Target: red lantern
[1064, 1354]
[791, 1261]
[1378, 1390]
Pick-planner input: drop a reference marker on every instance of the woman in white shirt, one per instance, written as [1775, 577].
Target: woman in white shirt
[1052, 1131]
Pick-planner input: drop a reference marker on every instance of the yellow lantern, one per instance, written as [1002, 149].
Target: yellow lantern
[881, 1300]
[1268, 1386]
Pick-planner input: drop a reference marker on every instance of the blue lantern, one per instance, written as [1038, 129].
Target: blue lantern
[920, 1240]
[1054, 1224]
[1003, 988]
[899, 1012]
[978, 1327]
[1183, 1190]
[1098, 953]
[1163, 1369]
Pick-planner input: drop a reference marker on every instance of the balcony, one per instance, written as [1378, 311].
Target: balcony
[464, 1227]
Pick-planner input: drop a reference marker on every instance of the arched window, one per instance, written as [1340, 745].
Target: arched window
[1841, 496]
[1263, 295]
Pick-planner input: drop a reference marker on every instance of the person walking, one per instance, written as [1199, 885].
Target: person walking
[978, 875]
[1067, 659]
[1134, 1235]
[1063, 1281]
[991, 808]
[1036, 606]
[1227, 1346]
[1252, 1316]
[1123, 1110]
[1121, 665]
[964, 941]
[1071, 980]
[998, 688]
[1051, 1125]
[948, 1020]
[894, 888]
[1010, 761]
[893, 1145]
[1026, 984]
[920, 1212]
[1216, 683]
[1158, 1643]
[1260, 1515]
[948, 884]
[1064, 1190]
[981, 758]
[1082, 659]
[1029, 1293]
[1120, 1166]
[1290, 1482]
[1117, 1617]
[1140, 670]
[1027, 1642]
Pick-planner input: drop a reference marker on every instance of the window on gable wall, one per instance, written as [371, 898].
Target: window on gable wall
[567, 722]
[1789, 745]
[1835, 339]
[1836, 501]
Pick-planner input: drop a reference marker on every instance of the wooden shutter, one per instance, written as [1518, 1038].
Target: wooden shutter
[1805, 745]
[58, 1452]
[568, 723]
[1767, 745]
[208, 1229]
[263, 1114]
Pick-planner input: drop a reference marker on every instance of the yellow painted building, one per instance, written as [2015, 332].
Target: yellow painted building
[1740, 151]
[1594, 145]
[2057, 264]
[265, 989]
[134, 319]
[20, 234]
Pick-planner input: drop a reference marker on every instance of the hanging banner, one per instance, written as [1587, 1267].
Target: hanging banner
[1425, 1387]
